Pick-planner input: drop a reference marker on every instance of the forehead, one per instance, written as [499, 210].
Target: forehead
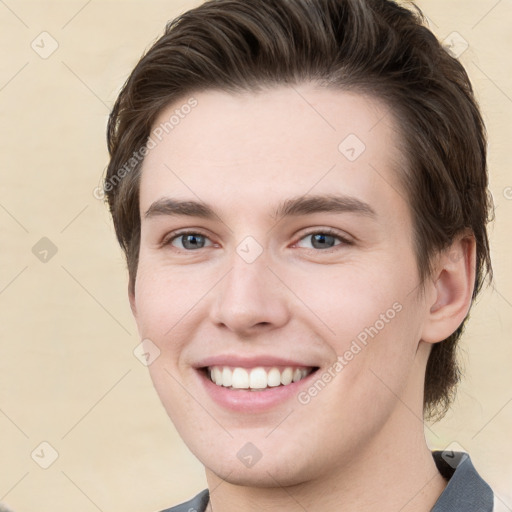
[284, 141]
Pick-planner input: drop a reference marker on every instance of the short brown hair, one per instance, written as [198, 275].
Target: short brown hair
[375, 47]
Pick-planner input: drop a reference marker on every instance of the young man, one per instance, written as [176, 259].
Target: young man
[300, 189]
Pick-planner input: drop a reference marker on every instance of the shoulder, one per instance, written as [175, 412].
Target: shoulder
[196, 504]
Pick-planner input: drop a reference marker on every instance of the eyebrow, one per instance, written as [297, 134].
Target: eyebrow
[295, 206]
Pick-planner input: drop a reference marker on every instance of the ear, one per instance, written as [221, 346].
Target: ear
[451, 289]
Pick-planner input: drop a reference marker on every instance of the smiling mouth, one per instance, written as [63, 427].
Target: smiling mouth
[258, 378]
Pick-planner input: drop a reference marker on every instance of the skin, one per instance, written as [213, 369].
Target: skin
[359, 443]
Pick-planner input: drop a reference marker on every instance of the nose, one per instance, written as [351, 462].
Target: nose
[250, 299]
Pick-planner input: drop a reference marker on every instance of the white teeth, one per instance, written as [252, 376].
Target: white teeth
[239, 379]
[227, 376]
[286, 376]
[274, 378]
[256, 378]
[217, 376]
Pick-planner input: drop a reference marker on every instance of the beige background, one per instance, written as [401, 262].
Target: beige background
[68, 375]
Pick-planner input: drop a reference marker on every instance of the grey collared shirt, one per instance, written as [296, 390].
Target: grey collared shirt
[466, 490]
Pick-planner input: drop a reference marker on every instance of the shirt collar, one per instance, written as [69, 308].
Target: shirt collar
[466, 490]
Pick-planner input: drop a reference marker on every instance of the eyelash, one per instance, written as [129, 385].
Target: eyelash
[327, 231]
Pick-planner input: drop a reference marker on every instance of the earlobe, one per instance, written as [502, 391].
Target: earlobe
[452, 290]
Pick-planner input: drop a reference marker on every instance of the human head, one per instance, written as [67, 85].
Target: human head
[373, 47]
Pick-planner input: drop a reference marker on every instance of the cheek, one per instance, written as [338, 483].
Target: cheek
[348, 299]
[164, 297]
[377, 357]
[370, 319]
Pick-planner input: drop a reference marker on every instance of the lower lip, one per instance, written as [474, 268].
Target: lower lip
[245, 400]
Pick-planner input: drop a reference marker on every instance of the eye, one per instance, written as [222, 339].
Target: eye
[325, 239]
[189, 240]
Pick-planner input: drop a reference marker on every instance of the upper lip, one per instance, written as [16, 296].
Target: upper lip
[236, 360]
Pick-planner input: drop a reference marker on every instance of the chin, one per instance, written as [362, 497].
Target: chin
[275, 468]
[265, 476]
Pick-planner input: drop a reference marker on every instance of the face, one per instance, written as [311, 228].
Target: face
[277, 259]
